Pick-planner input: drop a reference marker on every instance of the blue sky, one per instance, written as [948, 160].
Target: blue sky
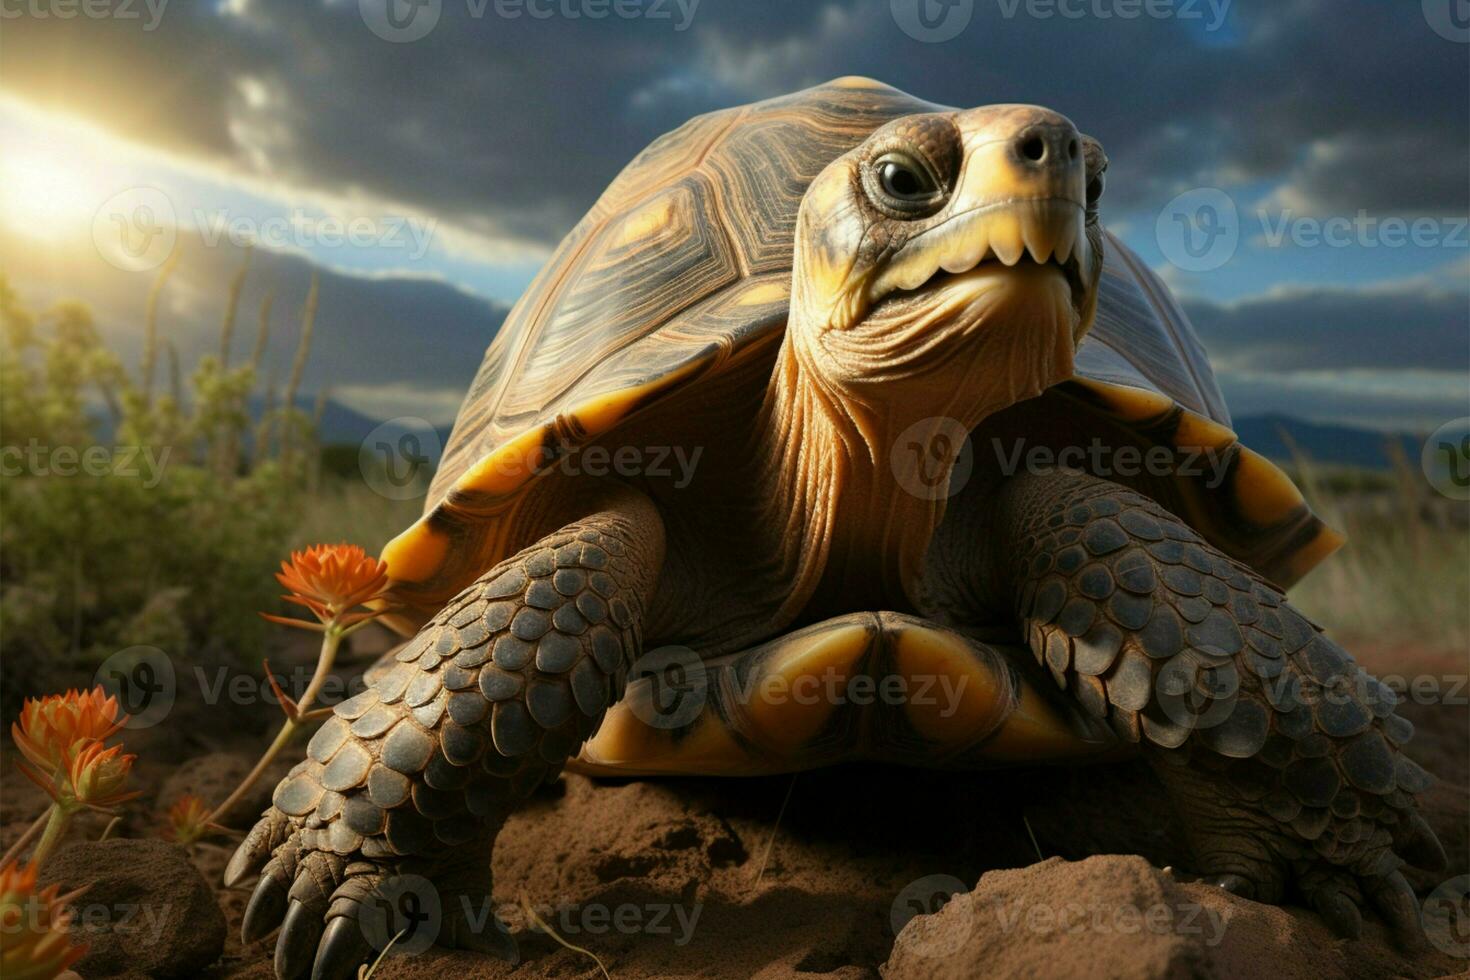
[459, 157]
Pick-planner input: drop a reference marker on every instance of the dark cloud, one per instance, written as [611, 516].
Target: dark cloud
[1412, 324]
[511, 128]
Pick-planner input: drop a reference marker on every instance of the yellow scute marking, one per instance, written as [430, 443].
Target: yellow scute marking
[856, 81]
[1129, 403]
[1266, 495]
[648, 221]
[974, 697]
[768, 292]
[1313, 554]
[791, 701]
[416, 554]
[1198, 432]
[1035, 732]
[507, 467]
[599, 414]
[626, 744]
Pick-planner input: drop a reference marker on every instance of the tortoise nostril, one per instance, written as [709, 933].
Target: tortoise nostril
[1073, 149]
[1034, 149]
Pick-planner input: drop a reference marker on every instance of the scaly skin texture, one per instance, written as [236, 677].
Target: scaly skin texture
[416, 775]
[1284, 757]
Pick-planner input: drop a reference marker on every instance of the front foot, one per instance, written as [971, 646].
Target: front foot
[340, 903]
[1268, 847]
[388, 824]
[1285, 758]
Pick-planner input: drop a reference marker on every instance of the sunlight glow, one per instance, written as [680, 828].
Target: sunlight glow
[46, 193]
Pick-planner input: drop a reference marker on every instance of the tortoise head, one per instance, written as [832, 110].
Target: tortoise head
[962, 248]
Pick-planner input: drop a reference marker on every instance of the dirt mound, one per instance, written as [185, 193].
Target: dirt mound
[1118, 916]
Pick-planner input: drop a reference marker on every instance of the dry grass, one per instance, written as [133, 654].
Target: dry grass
[1403, 578]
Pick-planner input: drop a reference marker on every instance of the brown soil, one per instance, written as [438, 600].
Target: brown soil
[697, 877]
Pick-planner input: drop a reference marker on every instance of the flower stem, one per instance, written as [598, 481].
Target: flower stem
[331, 639]
[25, 838]
[56, 820]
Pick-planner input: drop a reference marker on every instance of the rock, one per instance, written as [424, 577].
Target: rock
[146, 910]
[1118, 916]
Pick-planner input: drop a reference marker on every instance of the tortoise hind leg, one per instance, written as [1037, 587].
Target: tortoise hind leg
[872, 686]
[1283, 756]
[409, 782]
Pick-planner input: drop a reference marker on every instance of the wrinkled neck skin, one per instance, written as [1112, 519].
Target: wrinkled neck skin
[862, 425]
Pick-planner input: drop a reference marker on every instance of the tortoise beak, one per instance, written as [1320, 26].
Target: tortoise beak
[1020, 197]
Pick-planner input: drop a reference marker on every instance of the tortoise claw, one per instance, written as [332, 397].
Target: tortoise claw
[1395, 901]
[241, 866]
[342, 950]
[263, 912]
[297, 944]
[1339, 912]
[1421, 847]
[269, 832]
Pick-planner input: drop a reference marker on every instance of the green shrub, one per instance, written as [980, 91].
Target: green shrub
[129, 517]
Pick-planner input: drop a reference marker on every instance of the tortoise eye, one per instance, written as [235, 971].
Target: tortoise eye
[905, 184]
[904, 178]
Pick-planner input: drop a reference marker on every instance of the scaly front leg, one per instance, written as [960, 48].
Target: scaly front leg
[416, 775]
[1284, 757]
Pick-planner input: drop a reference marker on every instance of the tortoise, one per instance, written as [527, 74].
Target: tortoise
[960, 490]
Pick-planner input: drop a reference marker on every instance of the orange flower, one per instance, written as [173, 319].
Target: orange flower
[98, 775]
[34, 943]
[48, 728]
[331, 580]
[189, 819]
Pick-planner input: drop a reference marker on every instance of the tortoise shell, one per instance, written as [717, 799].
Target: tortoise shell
[683, 268]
